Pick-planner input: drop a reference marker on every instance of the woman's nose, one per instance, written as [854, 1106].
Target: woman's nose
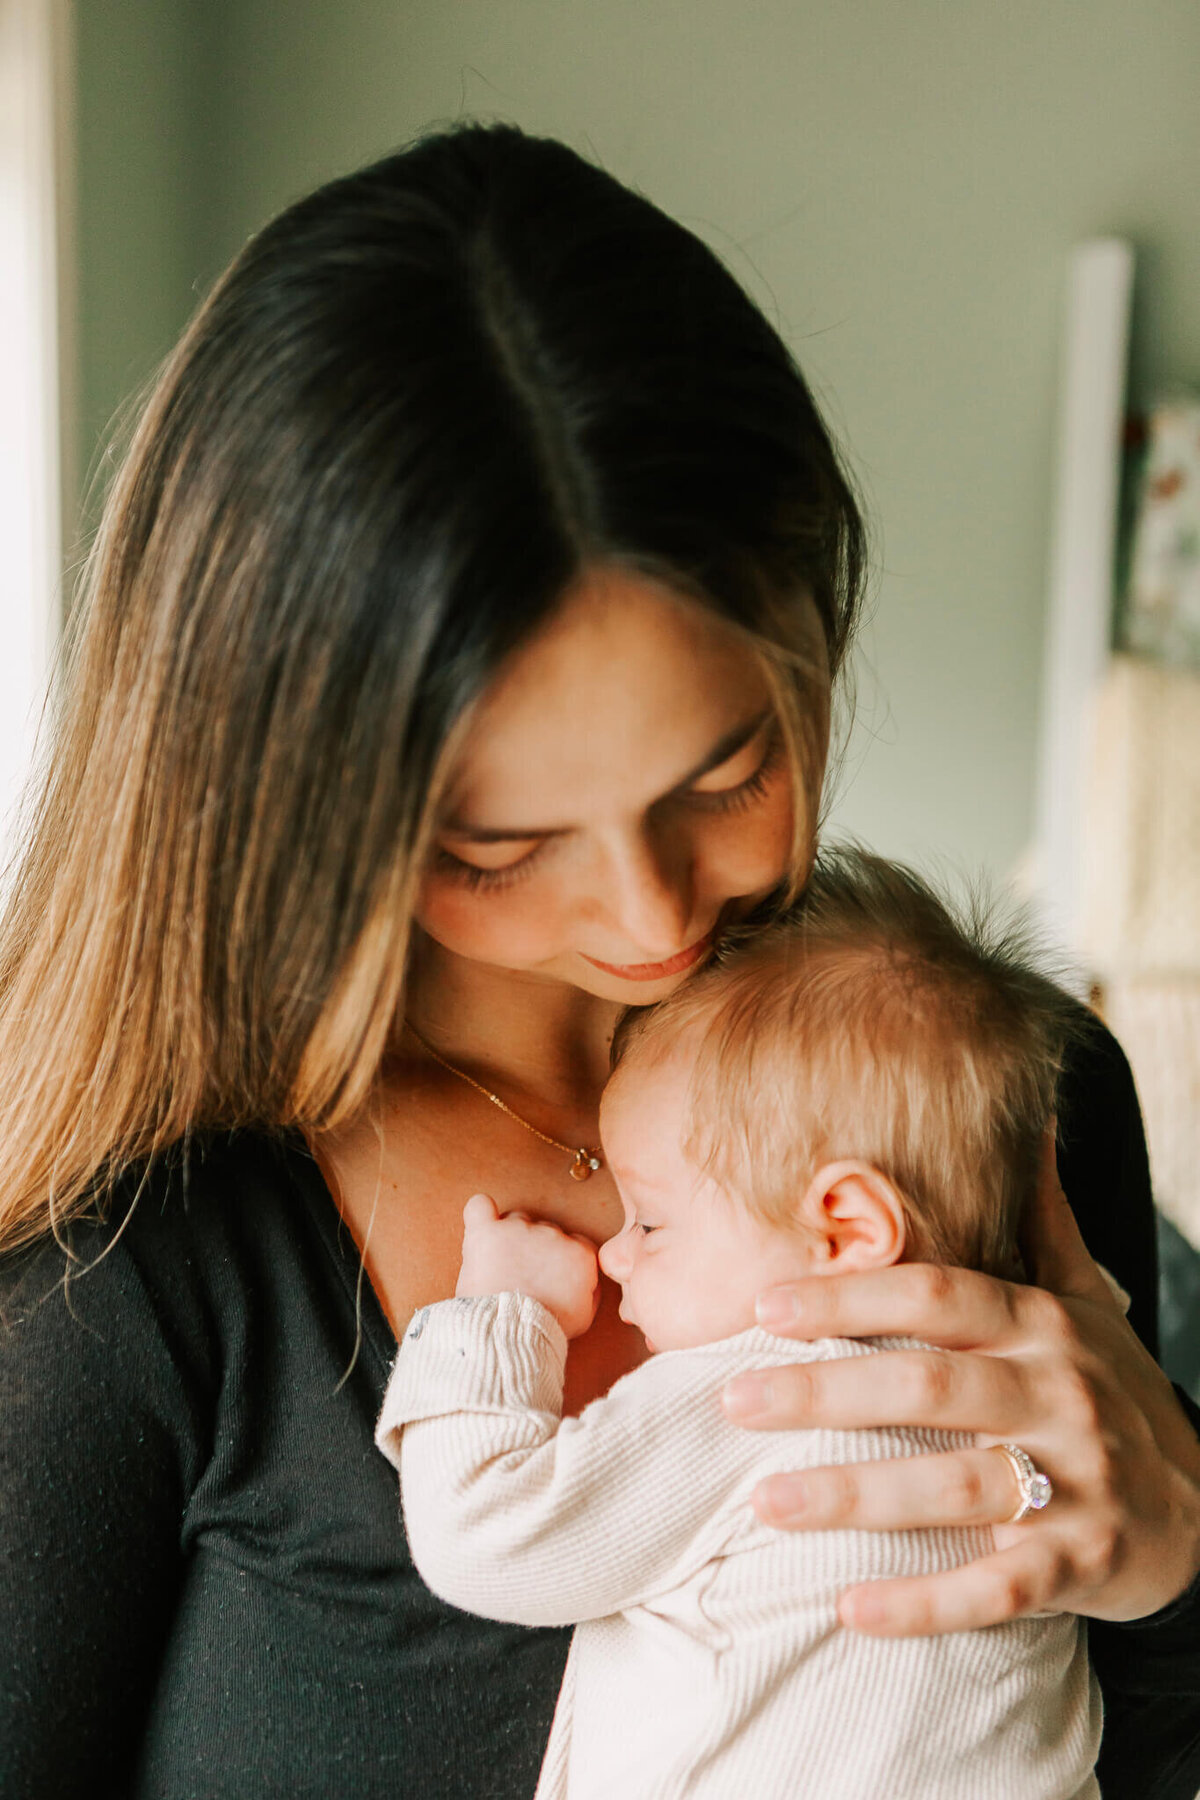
[650, 898]
[614, 1257]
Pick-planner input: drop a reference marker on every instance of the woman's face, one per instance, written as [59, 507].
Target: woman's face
[622, 793]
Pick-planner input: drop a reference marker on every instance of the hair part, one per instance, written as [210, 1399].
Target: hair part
[872, 1021]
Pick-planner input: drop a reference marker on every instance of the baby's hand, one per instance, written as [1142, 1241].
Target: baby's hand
[519, 1255]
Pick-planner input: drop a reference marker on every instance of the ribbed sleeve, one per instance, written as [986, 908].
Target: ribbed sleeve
[488, 1355]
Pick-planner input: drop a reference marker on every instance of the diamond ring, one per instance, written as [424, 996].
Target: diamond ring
[1036, 1489]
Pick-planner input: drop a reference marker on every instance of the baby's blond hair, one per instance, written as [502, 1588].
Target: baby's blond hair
[872, 1022]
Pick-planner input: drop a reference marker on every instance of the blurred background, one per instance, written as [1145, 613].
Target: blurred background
[901, 187]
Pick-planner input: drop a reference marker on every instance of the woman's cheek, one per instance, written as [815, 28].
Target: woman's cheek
[754, 854]
[518, 927]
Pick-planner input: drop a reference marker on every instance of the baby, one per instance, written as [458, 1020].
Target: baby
[862, 1082]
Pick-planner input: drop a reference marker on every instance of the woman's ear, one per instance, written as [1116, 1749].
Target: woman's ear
[858, 1216]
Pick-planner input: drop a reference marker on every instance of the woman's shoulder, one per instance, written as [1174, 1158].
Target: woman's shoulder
[1097, 1081]
[219, 1194]
[171, 1255]
[185, 1192]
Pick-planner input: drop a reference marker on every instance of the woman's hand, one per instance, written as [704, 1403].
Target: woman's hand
[1054, 1368]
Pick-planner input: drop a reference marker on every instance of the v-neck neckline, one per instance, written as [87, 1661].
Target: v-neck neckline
[343, 1252]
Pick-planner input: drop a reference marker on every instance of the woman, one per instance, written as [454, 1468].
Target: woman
[455, 664]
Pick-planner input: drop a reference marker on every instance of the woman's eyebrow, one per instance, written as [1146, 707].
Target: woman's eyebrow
[722, 750]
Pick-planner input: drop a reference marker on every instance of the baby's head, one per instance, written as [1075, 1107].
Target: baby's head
[864, 1081]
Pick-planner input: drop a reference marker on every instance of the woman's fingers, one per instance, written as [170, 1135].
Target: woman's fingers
[1028, 1578]
[959, 1392]
[1058, 1372]
[959, 1487]
[955, 1308]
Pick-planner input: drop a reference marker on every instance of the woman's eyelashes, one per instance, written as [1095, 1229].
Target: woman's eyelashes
[739, 798]
[744, 793]
[477, 879]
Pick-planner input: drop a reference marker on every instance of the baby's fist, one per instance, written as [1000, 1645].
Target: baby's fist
[518, 1255]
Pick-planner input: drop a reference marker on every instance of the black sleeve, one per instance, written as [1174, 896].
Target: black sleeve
[1149, 1669]
[96, 1437]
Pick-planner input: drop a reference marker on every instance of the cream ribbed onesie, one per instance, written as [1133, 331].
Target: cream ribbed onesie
[709, 1662]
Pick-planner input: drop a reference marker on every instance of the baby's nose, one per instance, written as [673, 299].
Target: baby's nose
[614, 1257]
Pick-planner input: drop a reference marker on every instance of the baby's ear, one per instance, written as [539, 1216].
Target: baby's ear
[857, 1215]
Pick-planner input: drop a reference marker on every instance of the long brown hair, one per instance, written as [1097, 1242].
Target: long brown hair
[415, 406]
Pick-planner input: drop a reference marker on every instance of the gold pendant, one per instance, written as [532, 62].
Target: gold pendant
[584, 1166]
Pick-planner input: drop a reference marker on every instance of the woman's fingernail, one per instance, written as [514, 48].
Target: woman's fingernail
[777, 1307]
[746, 1395]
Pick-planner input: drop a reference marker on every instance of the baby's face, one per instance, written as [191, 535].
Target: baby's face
[690, 1259]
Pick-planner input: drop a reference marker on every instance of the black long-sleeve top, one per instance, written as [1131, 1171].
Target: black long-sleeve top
[205, 1592]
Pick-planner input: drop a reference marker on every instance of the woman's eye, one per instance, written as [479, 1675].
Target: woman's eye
[744, 793]
[478, 879]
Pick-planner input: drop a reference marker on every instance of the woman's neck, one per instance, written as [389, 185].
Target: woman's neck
[542, 1036]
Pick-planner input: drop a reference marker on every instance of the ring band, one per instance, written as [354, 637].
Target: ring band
[1037, 1490]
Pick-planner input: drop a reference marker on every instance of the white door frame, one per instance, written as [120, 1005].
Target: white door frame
[36, 369]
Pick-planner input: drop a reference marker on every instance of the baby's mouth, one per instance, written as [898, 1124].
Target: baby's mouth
[622, 1314]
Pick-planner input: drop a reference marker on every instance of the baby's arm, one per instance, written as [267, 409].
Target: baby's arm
[516, 1514]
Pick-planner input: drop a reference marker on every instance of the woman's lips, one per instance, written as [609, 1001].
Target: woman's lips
[683, 959]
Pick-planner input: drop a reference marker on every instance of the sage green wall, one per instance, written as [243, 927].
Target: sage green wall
[898, 184]
[140, 89]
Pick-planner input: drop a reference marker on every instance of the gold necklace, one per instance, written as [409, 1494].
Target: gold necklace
[584, 1162]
